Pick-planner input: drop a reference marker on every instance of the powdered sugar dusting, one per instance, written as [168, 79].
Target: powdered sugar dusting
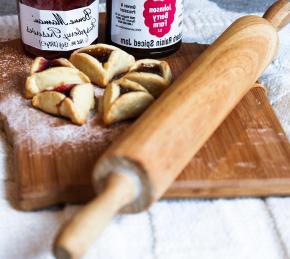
[43, 132]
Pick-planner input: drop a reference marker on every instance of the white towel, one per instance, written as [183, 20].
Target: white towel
[181, 229]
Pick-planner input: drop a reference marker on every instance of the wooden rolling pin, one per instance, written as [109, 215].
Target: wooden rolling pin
[137, 169]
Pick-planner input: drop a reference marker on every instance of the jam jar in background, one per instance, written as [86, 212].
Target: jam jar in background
[54, 28]
[145, 28]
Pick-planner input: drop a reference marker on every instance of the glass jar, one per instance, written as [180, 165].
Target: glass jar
[54, 28]
[145, 28]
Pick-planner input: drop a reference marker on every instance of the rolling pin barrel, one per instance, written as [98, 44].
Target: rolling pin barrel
[137, 169]
[163, 141]
[279, 14]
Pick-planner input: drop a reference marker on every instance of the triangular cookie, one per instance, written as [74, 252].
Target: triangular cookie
[76, 105]
[122, 100]
[58, 88]
[154, 75]
[50, 74]
[101, 62]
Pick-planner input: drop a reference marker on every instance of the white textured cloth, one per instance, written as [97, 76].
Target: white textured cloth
[220, 229]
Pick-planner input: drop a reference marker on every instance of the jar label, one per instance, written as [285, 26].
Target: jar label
[146, 24]
[59, 30]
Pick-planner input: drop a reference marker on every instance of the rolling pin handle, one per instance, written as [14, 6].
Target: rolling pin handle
[279, 14]
[79, 234]
[193, 87]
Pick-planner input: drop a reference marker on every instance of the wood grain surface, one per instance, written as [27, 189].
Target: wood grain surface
[249, 155]
[162, 142]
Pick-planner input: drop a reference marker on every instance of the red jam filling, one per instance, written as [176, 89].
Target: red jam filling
[46, 64]
[153, 69]
[116, 77]
[102, 55]
[58, 5]
[64, 89]
[124, 90]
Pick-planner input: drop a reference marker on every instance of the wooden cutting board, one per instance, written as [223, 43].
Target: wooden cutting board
[249, 155]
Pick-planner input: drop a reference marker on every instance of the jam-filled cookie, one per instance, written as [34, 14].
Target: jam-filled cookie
[101, 62]
[58, 88]
[154, 75]
[123, 99]
[48, 75]
[40, 64]
[74, 103]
